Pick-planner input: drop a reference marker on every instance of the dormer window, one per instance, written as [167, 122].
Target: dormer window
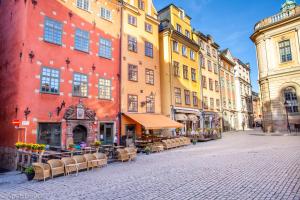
[181, 14]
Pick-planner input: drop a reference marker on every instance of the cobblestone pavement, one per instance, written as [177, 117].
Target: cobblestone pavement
[239, 166]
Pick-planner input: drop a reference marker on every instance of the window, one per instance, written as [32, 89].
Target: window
[187, 97]
[218, 103]
[216, 70]
[184, 50]
[211, 84]
[105, 48]
[193, 74]
[50, 80]
[285, 51]
[185, 72]
[177, 92]
[178, 28]
[209, 65]
[175, 46]
[80, 85]
[148, 27]
[141, 4]
[217, 86]
[149, 49]
[212, 103]
[192, 55]
[187, 34]
[224, 104]
[195, 99]
[82, 40]
[201, 44]
[83, 4]
[204, 82]
[53, 31]
[132, 72]
[132, 43]
[205, 102]
[49, 134]
[105, 89]
[176, 69]
[105, 14]
[132, 103]
[150, 76]
[208, 50]
[150, 104]
[290, 97]
[214, 53]
[202, 61]
[132, 20]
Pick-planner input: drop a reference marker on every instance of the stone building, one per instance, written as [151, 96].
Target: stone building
[209, 75]
[277, 40]
[59, 73]
[229, 114]
[243, 94]
[256, 103]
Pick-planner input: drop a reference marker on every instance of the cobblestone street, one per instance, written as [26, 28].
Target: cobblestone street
[239, 166]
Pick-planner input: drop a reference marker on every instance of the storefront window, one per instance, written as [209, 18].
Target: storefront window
[50, 134]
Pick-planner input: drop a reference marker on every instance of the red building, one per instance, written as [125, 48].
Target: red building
[59, 73]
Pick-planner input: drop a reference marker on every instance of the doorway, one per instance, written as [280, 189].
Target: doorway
[107, 133]
[79, 134]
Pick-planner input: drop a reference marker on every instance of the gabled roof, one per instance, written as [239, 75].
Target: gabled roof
[227, 55]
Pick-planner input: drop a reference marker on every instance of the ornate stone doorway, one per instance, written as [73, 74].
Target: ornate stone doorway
[79, 134]
[81, 124]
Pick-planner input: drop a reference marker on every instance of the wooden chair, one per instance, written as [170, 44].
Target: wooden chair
[91, 160]
[70, 165]
[57, 167]
[81, 162]
[102, 159]
[122, 155]
[132, 152]
[41, 170]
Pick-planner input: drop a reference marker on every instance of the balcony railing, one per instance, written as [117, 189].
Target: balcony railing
[278, 17]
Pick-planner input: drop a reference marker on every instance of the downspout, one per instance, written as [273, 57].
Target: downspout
[171, 75]
[120, 73]
[221, 97]
[201, 91]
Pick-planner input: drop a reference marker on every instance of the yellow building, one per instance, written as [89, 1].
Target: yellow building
[277, 45]
[140, 71]
[179, 65]
[209, 73]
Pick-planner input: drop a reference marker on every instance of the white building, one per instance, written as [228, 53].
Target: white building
[243, 94]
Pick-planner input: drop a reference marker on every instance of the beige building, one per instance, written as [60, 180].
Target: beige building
[209, 75]
[277, 40]
[229, 114]
[243, 94]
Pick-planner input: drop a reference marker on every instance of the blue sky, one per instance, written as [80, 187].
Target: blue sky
[230, 22]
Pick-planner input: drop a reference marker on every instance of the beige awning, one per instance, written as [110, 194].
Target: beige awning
[154, 121]
[181, 117]
[192, 117]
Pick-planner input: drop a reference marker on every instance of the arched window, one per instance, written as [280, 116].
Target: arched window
[290, 97]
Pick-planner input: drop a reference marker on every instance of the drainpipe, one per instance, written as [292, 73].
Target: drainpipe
[201, 92]
[120, 73]
[171, 75]
[221, 97]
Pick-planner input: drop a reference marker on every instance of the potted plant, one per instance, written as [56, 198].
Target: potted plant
[41, 148]
[34, 147]
[194, 141]
[97, 145]
[71, 147]
[147, 150]
[29, 171]
[28, 147]
[19, 145]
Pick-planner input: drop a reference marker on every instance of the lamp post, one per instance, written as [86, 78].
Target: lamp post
[287, 116]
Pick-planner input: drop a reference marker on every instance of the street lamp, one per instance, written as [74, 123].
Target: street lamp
[287, 116]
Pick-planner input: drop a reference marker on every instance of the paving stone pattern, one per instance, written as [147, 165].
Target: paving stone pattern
[239, 166]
